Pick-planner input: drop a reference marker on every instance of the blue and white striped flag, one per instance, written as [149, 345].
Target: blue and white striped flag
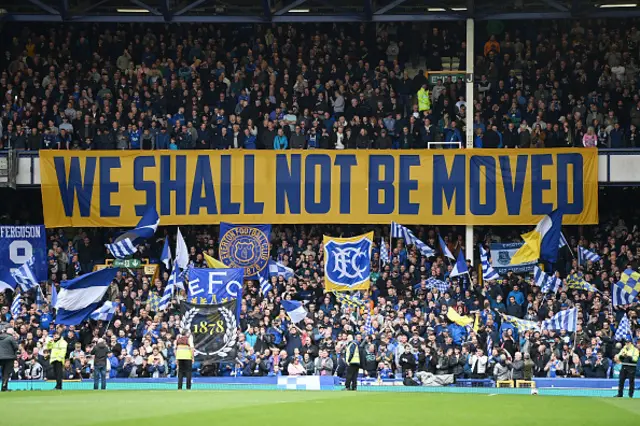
[104, 312]
[170, 288]
[619, 297]
[79, 297]
[265, 284]
[125, 244]
[399, 231]
[40, 300]
[489, 348]
[16, 306]
[584, 254]
[279, 270]
[384, 252]
[563, 241]
[368, 326]
[547, 283]
[433, 282]
[25, 276]
[623, 332]
[488, 273]
[520, 324]
[563, 320]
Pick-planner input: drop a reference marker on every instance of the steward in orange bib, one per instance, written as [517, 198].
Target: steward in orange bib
[184, 355]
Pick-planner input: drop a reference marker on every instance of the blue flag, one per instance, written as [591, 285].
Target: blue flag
[79, 297]
[19, 244]
[215, 286]
[54, 295]
[295, 310]
[247, 247]
[445, 249]
[125, 244]
[460, 267]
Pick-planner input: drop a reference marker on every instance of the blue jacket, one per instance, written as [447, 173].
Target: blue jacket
[280, 142]
[250, 142]
[518, 296]
[454, 135]
[162, 140]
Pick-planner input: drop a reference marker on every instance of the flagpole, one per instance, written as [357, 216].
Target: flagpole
[380, 257]
[470, 280]
[108, 324]
[390, 241]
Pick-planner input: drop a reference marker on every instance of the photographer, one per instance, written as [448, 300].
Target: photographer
[8, 354]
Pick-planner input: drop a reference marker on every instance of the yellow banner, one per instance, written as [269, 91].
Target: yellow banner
[435, 187]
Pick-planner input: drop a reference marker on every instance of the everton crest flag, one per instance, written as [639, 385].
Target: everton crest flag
[347, 264]
[214, 329]
[245, 246]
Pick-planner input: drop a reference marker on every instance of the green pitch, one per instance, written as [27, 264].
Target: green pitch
[306, 408]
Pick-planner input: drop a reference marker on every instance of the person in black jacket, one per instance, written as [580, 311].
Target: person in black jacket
[223, 140]
[99, 352]
[8, 354]
[406, 139]
[491, 138]
[510, 138]
[362, 140]
[409, 380]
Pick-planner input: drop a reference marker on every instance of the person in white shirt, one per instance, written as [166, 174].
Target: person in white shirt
[478, 363]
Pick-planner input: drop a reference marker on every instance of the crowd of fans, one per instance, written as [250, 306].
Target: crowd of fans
[409, 327]
[316, 86]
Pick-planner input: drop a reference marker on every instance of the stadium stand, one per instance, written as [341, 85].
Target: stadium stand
[566, 84]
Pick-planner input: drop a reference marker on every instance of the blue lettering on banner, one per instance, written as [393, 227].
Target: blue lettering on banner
[107, 187]
[513, 187]
[251, 206]
[288, 175]
[227, 205]
[381, 186]
[477, 178]
[577, 165]
[75, 184]
[449, 184]
[169, 185]
[203, 192]
[539, 184]
[407, 185]
[345, 163]
[323, 205]
[140, 184]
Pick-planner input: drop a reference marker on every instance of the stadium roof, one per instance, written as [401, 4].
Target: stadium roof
[265, 11]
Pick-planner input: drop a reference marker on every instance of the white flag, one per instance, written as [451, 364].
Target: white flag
[182, 252]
